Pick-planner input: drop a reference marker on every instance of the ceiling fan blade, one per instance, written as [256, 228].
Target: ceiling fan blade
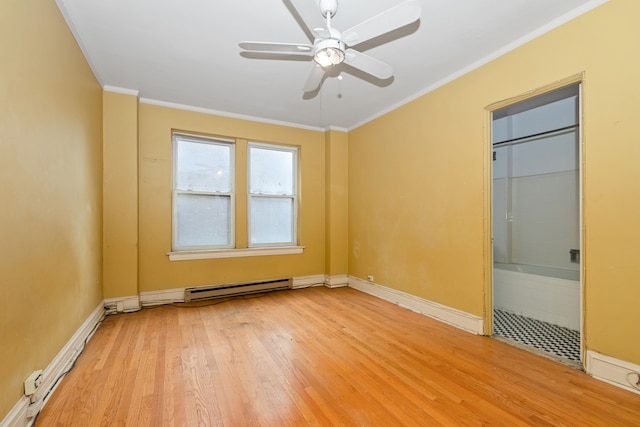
[398, 16]
[368, 64]
[290, 48]
[310, 14]
[314, 79]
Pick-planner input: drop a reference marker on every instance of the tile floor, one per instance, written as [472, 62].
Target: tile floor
[556, 340]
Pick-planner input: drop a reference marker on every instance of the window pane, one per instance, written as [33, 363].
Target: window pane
[271, 220]
[203, 167]
[271, 171]
[202, 220]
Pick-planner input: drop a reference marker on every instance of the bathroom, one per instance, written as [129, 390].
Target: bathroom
[536, 222]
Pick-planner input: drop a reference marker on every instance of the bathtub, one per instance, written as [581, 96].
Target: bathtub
[548, 294]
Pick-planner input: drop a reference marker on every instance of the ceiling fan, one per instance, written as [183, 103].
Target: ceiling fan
[331, 47]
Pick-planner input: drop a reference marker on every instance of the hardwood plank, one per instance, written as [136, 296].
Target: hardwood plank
[318, 357]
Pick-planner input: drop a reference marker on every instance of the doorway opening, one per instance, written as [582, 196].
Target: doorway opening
[536, 217]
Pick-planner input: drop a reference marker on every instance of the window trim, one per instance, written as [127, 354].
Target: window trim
[294, 197]
[201, 139]
[234, 253]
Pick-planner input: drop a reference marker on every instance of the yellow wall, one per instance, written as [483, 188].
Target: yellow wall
[337, 194]
[51, 180]
[418, 191]
[155, 169]
[120, 194]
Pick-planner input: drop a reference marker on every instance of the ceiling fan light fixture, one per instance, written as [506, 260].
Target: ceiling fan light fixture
[329, 52]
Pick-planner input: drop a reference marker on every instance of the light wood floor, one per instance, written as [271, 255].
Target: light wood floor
[318, 357]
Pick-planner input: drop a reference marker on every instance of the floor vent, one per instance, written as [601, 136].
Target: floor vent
[221, 291]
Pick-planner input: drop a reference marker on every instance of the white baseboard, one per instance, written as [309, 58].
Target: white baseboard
[122, 304]
[308, 281]
[336, 281]
[611, 370]
[167, 296]
[451, 316]
[17, 417]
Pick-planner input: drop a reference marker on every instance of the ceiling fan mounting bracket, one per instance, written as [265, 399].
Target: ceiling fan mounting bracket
[328, 7]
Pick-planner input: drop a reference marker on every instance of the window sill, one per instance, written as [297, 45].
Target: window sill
[234, 253]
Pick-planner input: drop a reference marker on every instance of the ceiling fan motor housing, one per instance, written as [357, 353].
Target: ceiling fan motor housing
[330, 43]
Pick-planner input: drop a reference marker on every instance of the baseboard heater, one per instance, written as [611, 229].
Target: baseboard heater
[233, 289]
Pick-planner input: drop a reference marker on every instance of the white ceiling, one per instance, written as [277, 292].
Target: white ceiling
[186, 52]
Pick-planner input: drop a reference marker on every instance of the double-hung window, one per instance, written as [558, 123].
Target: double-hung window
[210, 216]
[203, 193]
[272, 195]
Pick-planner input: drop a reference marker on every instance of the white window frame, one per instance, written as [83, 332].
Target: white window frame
[293, 197]
[175, 192]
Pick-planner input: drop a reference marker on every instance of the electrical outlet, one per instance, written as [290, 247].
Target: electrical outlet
[370, 278]
[32, 382]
